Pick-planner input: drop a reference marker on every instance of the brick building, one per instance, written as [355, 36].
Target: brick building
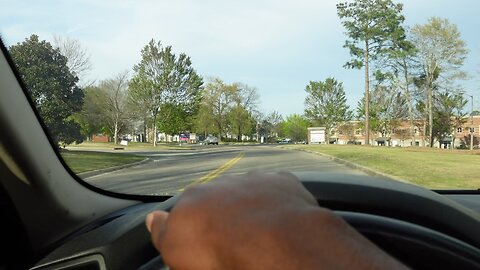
[351, 132]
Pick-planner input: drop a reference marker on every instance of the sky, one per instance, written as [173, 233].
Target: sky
[277, 46]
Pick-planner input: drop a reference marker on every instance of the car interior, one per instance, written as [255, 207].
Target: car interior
[54, 220]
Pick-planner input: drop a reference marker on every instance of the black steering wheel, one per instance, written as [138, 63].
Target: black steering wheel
[419, 227]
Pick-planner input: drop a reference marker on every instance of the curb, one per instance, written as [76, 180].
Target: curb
[88, 174]
[355, 166]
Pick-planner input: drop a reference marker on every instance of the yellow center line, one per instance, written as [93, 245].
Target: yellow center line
[215, 173]
[223, 168]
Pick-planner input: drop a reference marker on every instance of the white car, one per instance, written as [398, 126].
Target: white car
[211, 140]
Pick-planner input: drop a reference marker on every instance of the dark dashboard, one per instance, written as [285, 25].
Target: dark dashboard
[421, 228]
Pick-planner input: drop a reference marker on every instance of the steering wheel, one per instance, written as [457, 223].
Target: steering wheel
[419, 227]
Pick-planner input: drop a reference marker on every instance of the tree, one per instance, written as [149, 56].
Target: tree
[387, 111]
[51, 85]
[240, 120]
[401, 67]
[216, 104]
[78, 60]
[441, 52]
[295, 127]
[245, 101]
[275, 119]
[448, 115]
[89, 117]
[163, 78]
[326, 104]
[348, 128]
[175, 119]
[113, 101]
[372, 26]
[272, 125]
[228, 108]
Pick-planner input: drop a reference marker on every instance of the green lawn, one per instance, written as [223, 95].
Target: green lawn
[83, 161]
[431, 168]
[130, 146]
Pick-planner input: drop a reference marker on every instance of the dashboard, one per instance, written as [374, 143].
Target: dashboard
[421, 228]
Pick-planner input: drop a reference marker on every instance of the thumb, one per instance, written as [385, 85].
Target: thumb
[156, 222]
[156, 218]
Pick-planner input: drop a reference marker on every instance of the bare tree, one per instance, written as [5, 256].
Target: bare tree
[275, 119]
[78, 59]
[247, 97]
[442, 52]
[115, 96]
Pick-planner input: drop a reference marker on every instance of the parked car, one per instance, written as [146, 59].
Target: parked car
[211, 140]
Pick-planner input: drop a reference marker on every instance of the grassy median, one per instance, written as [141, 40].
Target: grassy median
[83, 161]
[133, 146]
[431, 168]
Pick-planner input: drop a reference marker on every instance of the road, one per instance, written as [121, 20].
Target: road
[170, 172]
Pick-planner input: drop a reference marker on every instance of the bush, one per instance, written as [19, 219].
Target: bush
[229, 140]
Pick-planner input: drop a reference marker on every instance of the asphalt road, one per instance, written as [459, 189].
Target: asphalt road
[170, 172]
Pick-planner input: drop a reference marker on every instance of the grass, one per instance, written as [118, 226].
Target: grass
[130, 146]
[83, 161]
[431, 168]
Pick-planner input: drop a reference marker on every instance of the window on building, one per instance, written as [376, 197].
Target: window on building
[357, 132]
[459, 129]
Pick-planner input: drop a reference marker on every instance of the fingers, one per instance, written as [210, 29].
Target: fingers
[156, 223]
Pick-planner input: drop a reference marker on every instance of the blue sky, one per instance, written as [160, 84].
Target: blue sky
[275, 46]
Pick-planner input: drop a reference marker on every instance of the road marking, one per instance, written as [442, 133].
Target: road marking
[209, 177]
[215, 173]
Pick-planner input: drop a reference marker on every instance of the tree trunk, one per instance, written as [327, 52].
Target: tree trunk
[430, 114]
[219, 133]
[145, 131]
[154, 135]
[154, 130]
[367, 96]
[424, 131]
[327, 136]
[115, 133]
[412, 127]
[409, 100]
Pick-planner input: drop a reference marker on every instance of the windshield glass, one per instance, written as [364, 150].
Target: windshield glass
[149, 97]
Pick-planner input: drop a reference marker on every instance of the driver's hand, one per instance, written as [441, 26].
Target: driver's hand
[259, 221]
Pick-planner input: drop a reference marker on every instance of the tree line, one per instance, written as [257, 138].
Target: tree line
[411, 74]
[162, 93]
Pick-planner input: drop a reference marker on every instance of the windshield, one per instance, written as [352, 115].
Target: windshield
[149, 97]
